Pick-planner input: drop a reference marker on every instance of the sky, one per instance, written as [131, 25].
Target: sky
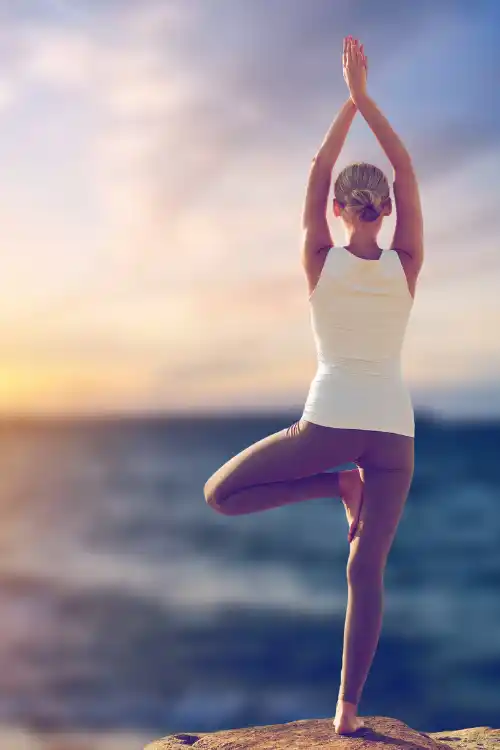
[154, 159]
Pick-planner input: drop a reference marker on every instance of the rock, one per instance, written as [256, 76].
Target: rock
[379, 733]
[484, 738]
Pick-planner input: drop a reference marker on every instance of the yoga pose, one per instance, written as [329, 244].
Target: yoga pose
[358, 409]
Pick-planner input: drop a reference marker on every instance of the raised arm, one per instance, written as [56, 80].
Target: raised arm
[316, 231]
[408, 234]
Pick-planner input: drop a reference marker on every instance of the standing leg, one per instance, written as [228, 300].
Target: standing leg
[285, 467]
[388, 470]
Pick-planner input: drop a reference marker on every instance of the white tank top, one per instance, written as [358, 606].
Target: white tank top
[359, 314]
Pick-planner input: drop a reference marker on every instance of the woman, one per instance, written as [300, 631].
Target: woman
[358, 409]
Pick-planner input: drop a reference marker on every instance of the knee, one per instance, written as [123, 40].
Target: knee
[363, 569]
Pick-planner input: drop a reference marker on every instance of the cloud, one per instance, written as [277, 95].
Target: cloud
[275, 101]
[178, 110]
[56, 56]
[8, 93]
[192, 127]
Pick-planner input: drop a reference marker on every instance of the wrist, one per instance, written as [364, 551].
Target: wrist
[359, 97]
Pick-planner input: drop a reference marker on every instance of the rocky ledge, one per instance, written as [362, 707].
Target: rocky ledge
[379, 733]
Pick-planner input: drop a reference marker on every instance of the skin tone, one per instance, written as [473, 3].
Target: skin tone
[361, 236]
[362, 239]
[355, 66]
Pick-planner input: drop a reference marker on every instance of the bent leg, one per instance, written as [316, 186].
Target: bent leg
[388, 472]
[285, 467]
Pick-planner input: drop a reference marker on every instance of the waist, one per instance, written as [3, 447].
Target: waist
[384, 367]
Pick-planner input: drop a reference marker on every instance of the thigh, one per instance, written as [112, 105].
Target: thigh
[386, 467]
[297, 451]
[387, 450]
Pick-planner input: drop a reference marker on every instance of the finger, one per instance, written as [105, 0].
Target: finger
[363, 56]
[350, 54]
[365, 59]
[355, 50]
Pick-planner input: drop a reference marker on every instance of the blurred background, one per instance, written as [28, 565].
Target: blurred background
[154, 322]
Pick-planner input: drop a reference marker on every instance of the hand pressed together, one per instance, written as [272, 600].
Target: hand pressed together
[355, 67]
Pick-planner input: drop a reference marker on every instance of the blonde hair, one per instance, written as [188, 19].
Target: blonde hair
[363, 188]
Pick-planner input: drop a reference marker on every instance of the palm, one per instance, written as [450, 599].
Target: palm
[355, 66]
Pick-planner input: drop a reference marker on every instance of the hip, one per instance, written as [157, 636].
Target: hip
[360, 401]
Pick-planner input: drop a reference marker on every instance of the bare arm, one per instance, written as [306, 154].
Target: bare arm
[316, 232]
[408, 234]
[389, 140]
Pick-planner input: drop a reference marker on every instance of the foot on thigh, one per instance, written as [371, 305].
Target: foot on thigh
[351, 489]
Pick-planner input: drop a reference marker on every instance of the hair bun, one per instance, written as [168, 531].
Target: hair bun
[369, 213]
[365, 197]
[362, 189]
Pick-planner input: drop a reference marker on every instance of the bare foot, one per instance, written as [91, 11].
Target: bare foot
[346, 721]
[351, 488]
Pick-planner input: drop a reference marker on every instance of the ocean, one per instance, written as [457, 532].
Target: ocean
[129, 608]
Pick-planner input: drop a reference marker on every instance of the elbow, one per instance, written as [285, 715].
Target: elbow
[403, 163]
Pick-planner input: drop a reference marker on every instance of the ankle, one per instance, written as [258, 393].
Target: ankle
[347, 706]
